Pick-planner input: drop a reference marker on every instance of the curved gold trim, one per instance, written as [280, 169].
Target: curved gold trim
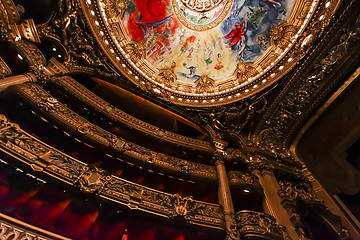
[112, 112]
[65, 117]
[24, 229]
[200, 28]
[5, 71]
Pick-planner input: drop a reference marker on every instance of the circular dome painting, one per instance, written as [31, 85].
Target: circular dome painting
[204, 37]
[206, 52]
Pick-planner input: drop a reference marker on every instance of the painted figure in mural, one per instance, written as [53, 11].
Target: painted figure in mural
[192, 75]
[149, 17]
[219, 64]
[146, 27]
[273, 2]
[242, 37]
[236, 34]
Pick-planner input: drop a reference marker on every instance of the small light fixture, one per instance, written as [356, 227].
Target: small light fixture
[247, 191]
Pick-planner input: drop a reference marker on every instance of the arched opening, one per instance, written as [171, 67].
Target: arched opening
[15, 61]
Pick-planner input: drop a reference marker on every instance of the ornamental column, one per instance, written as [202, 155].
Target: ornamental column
[36, 74]
[271, 187]
[224, 193]
[224, 188]
[9, 81]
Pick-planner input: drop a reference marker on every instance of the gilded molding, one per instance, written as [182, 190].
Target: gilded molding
[31, 53]
[291, 191]
[52, 162]
[237, 178]
[80, 92]
[258, 225]
[278, 162]
[204, 84]
[5, 71]
[11, 15]
[92, 133]
[261, 167]
[233, 118]
[5, 32]
[27, 29]
[13, 229]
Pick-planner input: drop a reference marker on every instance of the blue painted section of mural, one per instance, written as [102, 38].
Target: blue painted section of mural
[258, 17]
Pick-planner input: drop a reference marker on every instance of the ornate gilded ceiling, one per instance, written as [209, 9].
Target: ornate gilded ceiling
[203, 53]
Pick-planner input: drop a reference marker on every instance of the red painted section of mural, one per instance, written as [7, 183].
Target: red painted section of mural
[236, 34]
[148, 12]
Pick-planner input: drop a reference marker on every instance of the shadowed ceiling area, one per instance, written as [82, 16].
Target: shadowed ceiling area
[332, 140]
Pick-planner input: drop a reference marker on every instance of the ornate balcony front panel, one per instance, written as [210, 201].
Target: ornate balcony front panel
[13, 229]
[256, 225]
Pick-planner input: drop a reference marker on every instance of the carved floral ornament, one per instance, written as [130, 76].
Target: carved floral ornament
[258, 225]
[287, 43]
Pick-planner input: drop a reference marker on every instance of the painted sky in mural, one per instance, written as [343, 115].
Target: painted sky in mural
[243, 36]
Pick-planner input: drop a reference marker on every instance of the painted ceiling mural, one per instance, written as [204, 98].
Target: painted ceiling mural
[206, 52]
[242, 35]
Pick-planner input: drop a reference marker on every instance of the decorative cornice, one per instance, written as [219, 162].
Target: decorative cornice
[68, 119]
[347, 84]
[41, 157]
[89, 98]
[261, 167]
[26, 29]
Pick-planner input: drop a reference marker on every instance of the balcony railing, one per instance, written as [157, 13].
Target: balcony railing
[256, 225]
[13, 229]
